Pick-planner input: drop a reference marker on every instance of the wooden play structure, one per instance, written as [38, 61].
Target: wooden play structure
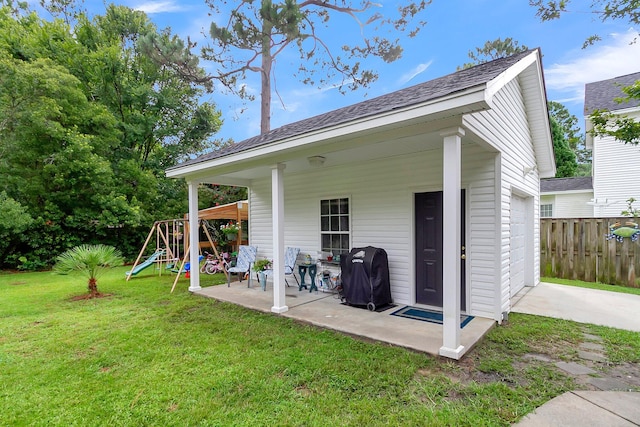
[237, 211]
[172, 239]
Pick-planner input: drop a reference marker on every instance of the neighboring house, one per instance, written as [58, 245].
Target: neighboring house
[616, 171]
[443, 175]
[566, 197]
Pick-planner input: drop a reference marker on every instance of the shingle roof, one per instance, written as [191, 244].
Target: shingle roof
[428, 91]
[554, 185]
[601, 95]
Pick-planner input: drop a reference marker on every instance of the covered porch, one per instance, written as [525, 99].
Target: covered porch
[429, 173]
[325, 310]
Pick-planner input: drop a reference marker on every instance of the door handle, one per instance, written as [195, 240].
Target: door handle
[463, 256]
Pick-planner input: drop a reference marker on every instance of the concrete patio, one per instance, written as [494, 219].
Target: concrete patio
[325, 310]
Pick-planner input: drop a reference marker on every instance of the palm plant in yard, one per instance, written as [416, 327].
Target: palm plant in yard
[91, 261]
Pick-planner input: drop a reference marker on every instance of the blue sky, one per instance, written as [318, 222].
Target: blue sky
[453, 28]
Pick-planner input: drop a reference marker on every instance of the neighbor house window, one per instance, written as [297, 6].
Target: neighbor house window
[546, 211]
[335, 225]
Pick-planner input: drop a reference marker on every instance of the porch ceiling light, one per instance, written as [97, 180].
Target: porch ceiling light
[316, 161]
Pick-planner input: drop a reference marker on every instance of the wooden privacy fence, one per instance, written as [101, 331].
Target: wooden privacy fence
[578, 249]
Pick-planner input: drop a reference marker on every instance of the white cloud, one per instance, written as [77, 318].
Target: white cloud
[595, 63]
[159, 7]
[408, 76]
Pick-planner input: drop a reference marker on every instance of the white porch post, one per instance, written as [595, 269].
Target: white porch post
[452, 161]
[194, 237]
[277, 213]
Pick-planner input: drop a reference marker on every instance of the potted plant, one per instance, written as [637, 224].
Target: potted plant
[260, 266]
[230, 230]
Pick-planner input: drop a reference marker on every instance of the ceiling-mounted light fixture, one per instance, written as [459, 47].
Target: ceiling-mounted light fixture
[316, 161]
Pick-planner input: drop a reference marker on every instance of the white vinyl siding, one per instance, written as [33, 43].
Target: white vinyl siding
[381, 206]
[381, 196]
[518, 237]
[505, 126]
[615, 174]
[569, 204]
[335, 225]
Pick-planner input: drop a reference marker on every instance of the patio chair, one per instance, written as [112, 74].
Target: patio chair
[290, 257]
[246, 258]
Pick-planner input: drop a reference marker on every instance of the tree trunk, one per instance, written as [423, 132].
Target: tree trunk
[265, 73]
[93, 286]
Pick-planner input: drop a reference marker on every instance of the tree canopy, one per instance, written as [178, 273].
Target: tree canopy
[88, 124]
[605, 10]
[252, 34]
[494, 49]
[622, 128]
[605, 123]
[572, 159]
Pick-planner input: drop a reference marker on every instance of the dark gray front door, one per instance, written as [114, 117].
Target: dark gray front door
[428, 214]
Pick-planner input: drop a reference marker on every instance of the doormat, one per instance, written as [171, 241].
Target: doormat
[428, 315]
[379, 309]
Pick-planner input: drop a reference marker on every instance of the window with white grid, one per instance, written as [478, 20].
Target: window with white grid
[335, 225]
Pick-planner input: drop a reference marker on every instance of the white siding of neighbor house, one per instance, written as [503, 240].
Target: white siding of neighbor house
[616, 175]
[569, 204]
[506, 127]
[381, 205]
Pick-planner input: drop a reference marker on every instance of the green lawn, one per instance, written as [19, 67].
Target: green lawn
[590, 285]
[144, 356]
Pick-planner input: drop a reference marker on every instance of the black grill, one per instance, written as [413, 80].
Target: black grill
[365, 277]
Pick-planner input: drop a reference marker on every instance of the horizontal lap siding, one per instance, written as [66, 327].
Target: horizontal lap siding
[573, 205]
[381, 208]
[615, 175]
[479, 173]
[507, 128]
[381, 194]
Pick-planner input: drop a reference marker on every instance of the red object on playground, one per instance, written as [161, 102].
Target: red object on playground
[187, 275]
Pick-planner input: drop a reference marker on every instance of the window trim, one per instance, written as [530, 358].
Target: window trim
[350, 216]
[544, 206]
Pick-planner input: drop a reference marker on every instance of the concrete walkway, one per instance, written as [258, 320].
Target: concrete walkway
[586, 408]
[613, 309]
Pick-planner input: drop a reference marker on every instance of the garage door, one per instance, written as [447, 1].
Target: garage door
[518, 237]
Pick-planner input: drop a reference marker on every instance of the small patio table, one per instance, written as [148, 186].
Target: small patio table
[311, 268]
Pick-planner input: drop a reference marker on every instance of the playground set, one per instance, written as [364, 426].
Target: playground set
[172, 243]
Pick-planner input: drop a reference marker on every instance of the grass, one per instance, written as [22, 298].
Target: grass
[144, 356]
[590, 285]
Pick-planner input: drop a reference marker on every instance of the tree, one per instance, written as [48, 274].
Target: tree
[566, 165]
[622, 128]
[572, 158]
[89, 260]
[255, 33]
[14, 220]
[88, 124]
[606, 10]
[492, 50]
[573, 136]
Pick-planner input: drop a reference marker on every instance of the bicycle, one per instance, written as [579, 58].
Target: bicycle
[212, 264]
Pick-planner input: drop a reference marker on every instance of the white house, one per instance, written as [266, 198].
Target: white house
[616, 176]
[443, 175]
[566, 197]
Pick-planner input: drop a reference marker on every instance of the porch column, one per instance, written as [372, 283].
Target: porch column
[194, 237]
[452, 162]
[277, 214]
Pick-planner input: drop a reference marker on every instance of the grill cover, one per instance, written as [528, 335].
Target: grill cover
[365, 277]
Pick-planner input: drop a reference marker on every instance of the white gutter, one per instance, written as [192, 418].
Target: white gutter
[467, 101]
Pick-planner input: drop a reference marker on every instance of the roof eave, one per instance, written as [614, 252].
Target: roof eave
[463, 102]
